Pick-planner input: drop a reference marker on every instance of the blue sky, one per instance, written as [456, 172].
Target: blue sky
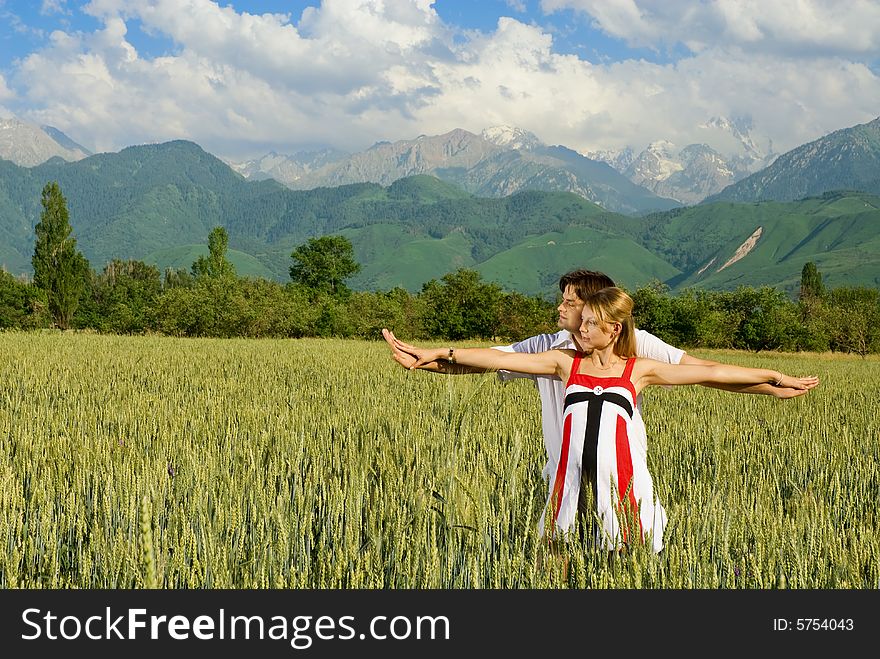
[242, 78]
[28, 23]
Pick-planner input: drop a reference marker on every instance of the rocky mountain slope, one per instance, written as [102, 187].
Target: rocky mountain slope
[28, 145]
[847, 159]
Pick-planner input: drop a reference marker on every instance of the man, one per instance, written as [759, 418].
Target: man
[575, 286]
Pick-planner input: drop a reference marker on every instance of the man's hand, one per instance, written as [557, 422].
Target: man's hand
[424, 356]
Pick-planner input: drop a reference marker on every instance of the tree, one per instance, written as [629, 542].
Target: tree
[59, 268]
[22, 305]
[523, 316]
[398, 309]
[653, 310]
[462, 306]
[766, 319]
[813, 310]
[215, 264]
[853, 319]
[699, 320]
[811, 282]
[125, 294]
[323, 264]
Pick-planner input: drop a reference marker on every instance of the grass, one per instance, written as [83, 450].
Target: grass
[132, 462]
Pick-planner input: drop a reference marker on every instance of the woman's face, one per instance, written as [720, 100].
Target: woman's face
[594, 333]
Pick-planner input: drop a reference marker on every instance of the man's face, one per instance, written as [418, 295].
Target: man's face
[570, 310]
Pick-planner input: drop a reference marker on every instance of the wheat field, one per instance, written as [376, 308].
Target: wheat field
[154, 462]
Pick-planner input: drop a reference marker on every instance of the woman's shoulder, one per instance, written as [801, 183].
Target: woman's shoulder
[644, 364]
[566, 354]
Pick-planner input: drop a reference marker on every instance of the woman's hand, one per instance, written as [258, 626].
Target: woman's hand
[797, 386]
[410, 356]
[402, 345]
[424, 355]
[402, 357]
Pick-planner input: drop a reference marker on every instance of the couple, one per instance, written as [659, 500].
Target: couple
[590, 376]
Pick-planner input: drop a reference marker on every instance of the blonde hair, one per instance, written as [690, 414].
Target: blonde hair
[613, 305]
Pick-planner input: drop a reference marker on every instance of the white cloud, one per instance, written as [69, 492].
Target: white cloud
[356, 71]
[790, 27]
[6, 94]
[235, 70]
[48, 7]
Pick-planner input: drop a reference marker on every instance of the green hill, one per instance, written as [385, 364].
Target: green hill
[143, 200]
[837, 231]
[535, 265]
[182, 257]
[412, 262]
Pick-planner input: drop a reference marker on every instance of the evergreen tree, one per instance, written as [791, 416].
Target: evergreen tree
[59, 268]
[323, 264]
[215, 264]
[811, 282]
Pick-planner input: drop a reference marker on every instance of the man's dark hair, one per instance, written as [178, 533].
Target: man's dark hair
[585, 282]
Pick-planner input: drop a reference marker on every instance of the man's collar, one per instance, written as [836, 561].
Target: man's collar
[563, 341]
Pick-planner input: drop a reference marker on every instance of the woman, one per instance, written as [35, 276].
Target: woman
[602, 383]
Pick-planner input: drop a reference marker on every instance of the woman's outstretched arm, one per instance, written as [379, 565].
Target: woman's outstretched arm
[651, 372]
[783, 393]
[552, 362]
[401, 352]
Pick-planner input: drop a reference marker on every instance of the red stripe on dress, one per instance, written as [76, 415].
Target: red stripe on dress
[559, 482]
[625, 478]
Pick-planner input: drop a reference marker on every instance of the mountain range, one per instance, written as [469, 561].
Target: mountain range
[498, 162]
[845, 159]
[688, 175]
[502, 160]
[691, 173]
[159, 202]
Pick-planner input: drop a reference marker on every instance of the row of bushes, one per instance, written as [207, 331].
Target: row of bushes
[845, 319]
[132, 297]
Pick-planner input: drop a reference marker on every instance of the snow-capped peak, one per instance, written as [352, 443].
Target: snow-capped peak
[619, 159]
[511, 137]
[743, 141]
[662, 149]
[657, 162]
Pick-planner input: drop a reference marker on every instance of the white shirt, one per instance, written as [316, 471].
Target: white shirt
[552, 389]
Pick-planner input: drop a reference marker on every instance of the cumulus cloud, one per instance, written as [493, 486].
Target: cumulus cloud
[517, 79]
[6, 94]
[791, 27]
[353, 72]
[238, 78]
